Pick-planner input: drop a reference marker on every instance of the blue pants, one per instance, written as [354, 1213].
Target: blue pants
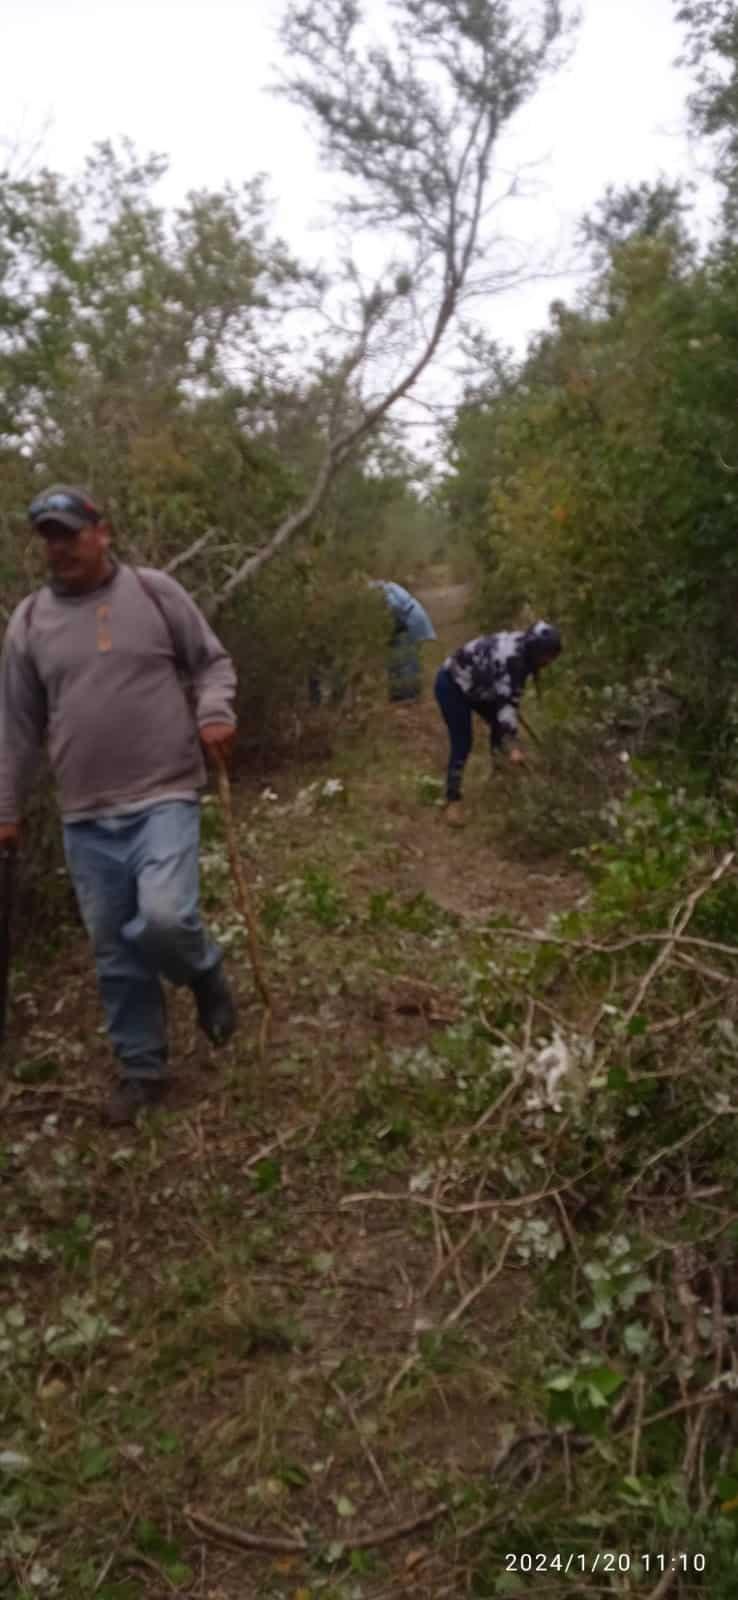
[137, 883]
[457, 711]
[404, 675]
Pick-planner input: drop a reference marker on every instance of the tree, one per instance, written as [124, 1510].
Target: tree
[121, 330]
[712, 52]
[411, 126]
[612, 472]
[108, 303]
[637, 211]
[155, 355]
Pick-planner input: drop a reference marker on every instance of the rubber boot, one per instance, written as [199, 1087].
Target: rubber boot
[216, 1011]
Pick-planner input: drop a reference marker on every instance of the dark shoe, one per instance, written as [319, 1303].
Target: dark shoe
[132, 1096]
[216, 1012]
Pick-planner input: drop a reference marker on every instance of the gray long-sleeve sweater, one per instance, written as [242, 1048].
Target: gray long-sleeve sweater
[99, 675]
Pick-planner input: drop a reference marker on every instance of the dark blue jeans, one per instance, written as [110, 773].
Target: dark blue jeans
[136, 880]
[457, 713]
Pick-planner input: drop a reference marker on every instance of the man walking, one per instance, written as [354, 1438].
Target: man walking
[94, 663]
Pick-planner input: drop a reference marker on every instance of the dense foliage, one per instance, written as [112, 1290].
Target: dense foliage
[610, 470]
[598, 476]
[148, 356]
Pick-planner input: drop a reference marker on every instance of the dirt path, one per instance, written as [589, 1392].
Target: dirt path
[248, 1287]
[447, 604]
[467, 873]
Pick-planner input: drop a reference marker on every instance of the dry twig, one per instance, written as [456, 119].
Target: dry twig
[681, 920]
[244, 899]
[281, 1140]
[225, 1533]
[366, 1447]
[718, 1323]
[640, 1383]
[457, 1312]
[479, 1288]
[716, 1398]
[670, 1150]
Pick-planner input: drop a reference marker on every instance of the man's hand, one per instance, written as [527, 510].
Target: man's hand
[517, 756]
[9, 833]
[217, 739]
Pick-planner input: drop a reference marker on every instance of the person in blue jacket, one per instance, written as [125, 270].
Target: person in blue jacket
[411, 625]
[488, 676]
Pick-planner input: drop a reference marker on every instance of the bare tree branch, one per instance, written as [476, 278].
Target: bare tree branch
[193, 550]
[412, 125]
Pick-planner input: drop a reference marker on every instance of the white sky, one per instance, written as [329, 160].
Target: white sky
[188, 78]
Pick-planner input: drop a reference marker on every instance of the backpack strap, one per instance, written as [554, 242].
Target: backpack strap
[29, 613]
[148, 589]
[183, 670]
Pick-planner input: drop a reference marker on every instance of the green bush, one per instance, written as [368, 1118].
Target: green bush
[558, 800]
[298, 622]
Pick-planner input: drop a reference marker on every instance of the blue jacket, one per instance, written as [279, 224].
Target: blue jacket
[412, 618]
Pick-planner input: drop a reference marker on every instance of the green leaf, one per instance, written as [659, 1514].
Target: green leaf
[634, 1487]
[94, 1463]
[596, 1272]
[636, 1286]
[179, 1572]
[37, 1071]
[636, 1338]
[345, 1507]
[593, 1319]
[168, 1444]
[605, 1380]
[595, 1398]
[267, 1174]
[293, 1475]
[152, 1542]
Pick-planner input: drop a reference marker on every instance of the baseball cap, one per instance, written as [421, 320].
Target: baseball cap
[73, 507]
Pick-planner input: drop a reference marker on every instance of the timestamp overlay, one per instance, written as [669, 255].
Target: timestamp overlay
[639, 1563]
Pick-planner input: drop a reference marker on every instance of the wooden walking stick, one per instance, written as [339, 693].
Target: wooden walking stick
[8, 858]
[243, 898]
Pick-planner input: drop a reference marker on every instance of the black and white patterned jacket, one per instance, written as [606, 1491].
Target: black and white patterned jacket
[491, 673]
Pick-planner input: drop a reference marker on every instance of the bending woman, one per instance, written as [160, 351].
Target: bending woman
[488, 676]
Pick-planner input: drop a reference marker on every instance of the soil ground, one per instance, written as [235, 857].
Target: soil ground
[243, 1311]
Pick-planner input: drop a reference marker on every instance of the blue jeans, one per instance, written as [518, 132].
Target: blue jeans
[403, 668]
[456, 711]
[137, 884]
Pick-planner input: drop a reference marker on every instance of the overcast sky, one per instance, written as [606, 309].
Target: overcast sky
[189, 79]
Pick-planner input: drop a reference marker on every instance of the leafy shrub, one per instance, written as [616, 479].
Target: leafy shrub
[558, 800]
[298, 623]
